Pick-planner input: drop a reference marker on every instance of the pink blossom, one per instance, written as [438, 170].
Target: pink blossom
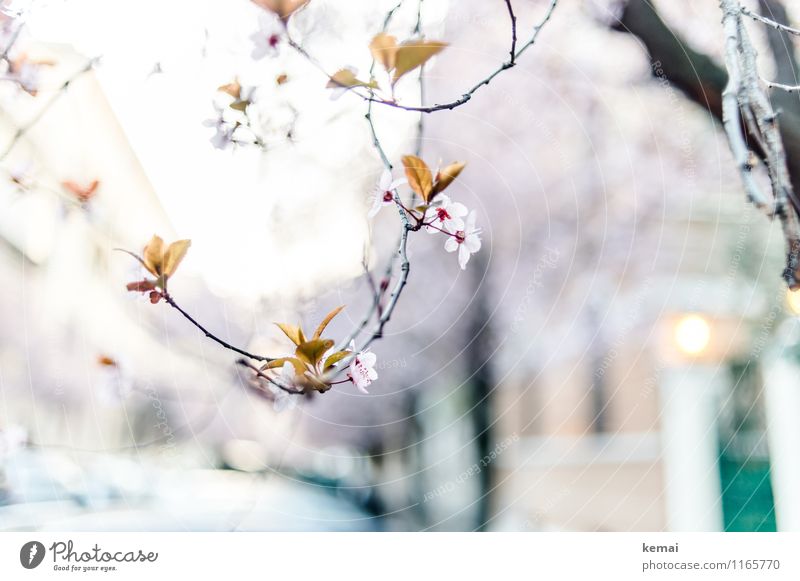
[362, 369]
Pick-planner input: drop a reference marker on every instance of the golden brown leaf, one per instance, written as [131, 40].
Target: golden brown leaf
[153, 255]
[446, 175]
[328, 318]
[384, 50]
[414, 53]
[346, 78]
[174, 255]
[313, 350]
[299, 366]
[233, 89]
[334, 359]
[294, 332]
[419, 176]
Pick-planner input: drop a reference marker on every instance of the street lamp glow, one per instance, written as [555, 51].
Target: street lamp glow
[692, 334]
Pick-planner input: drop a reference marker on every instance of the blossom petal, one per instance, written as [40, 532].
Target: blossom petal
[472, 243]
[457, 209]
[451, 244]
[287, 371]
[454, 224]
[463, 257]
[471, 221]
[368, 358]
[284, 402]
[377, 204]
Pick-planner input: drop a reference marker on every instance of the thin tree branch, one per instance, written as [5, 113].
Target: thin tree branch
[781, 86]
[377, 294]
[171, 302]
[405, 269]
[465, 98]
[783, 54]
[513, 50]
[373, 308]
[376, 142]
[770, 22]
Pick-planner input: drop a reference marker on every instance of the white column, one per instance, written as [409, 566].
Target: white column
[690, 447]
[782, 402]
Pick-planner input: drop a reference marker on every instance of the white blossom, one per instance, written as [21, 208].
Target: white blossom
[268, 38]
[446, 215]
[466, 241]
[383, 193]
[224, 127]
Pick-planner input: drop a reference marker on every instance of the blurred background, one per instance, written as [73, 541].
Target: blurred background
[621, 355]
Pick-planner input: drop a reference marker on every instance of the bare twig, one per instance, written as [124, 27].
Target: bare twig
[770, 22]
[376, 142]
[373, 308]
[377, 294]
[405, 269]
[390, 15]
[468, 95]
[171, 302]
[513, 50]
[781, 86]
